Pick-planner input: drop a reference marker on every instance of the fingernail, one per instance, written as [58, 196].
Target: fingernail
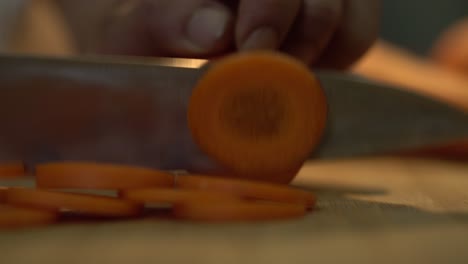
[206, 26]
[262, 38]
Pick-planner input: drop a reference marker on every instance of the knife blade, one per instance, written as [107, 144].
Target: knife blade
[370, 118]
[133, 110]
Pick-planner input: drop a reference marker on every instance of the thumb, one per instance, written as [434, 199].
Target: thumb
[192, 28]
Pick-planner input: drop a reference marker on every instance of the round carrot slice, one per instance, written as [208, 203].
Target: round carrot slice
[248, 189]
[86, 204]
[12, 169]
[172, 196]
[81, 175]
[16, 217]
[259, 114]
[217, 211]
[2, 194]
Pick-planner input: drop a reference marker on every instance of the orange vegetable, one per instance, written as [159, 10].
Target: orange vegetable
[451, 49]
[259, 114]
[12, 169]
[391, 64]
[172, 196]
[228, 211]
[81, 203]
[248, 189]
[99, 176]
[2, 194]
[16, 217]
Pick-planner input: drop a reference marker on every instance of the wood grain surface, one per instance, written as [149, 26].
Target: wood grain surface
[387, 210]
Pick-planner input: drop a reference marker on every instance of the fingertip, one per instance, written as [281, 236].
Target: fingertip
[262, 38]
[264, 24]
[207, 27]
[189, 28]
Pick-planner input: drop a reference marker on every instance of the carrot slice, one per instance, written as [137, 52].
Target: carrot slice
[87, 204]
[248, 189]
[2, 194]
[172, 196]
[16, 217]
[199, 210]
[12, 169]
[259, 114]
[80, 175]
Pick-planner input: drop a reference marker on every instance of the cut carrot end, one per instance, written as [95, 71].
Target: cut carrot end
[248, 189]
[236, 211]
[260, 114]
[16, 217]
[81, 203]
[12, 169]
[65, 175]
[451, 49]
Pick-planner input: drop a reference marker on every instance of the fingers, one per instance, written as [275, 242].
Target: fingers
[314, 27]
[264, 24]
[171, 28]
[324, 33]
[357, 31]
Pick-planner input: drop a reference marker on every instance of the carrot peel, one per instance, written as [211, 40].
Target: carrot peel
[248, 189]
[58, 201]
[69, 175]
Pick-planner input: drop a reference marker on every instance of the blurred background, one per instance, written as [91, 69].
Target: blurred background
[416, 24]
[37, 26]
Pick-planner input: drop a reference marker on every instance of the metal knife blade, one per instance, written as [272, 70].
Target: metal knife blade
[129, 110]
[370, 118]
[109, 110]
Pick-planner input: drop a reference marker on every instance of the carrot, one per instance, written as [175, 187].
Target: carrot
[81, 203]
[69, 175]
[2, 194]
[248, 189]
[388, 63]
[172, 196]
[16, 217]
[451, 49]
[259, 114]
[231, 211]
[12, 169]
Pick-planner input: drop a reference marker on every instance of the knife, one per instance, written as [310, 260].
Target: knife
[133, 110]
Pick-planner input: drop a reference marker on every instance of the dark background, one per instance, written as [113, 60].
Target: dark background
[415, 24]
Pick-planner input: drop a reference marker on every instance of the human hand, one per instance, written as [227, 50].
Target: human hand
[326, 33]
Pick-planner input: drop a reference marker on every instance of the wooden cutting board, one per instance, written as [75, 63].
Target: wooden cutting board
[387, 210]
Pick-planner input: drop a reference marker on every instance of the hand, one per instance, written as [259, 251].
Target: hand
[326, 33]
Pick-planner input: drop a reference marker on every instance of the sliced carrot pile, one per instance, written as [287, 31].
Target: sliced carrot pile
[248, 189]
[190, 197]
[69, 175]
[260, 114]
[58, 201]
[16, 217]
[12, 169]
